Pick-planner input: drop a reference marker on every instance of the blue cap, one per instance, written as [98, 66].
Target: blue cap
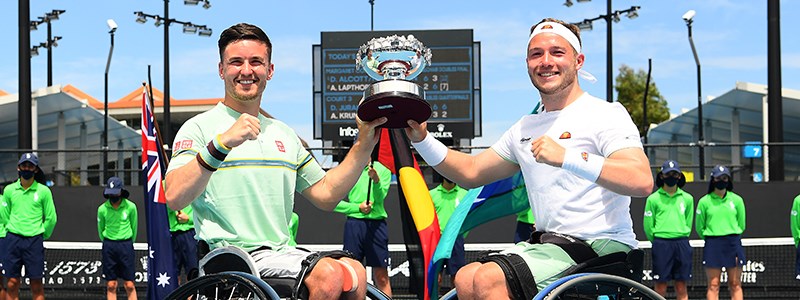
[669, 166]
[720, 170]
[29, 157]
[114, 186]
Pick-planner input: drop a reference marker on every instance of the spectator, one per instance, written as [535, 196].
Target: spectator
[365, 233]
[667, 224]
[526, 225]
[795, 224]
[117, 220]
[720, 222]
[31, 220]
[294, 223]
[446, 197]
[3, 220]
[184, 245]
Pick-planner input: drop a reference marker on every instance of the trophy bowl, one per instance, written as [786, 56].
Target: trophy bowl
[394, 61]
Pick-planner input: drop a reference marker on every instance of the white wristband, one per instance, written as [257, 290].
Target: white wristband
[583, 164]
[431, 150]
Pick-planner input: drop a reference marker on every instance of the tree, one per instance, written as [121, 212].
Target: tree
[630, 92]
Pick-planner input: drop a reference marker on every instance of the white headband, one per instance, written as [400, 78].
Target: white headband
[564, 32]
[561, 30]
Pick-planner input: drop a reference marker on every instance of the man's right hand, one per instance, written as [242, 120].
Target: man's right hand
[416, 132]
[247, 127]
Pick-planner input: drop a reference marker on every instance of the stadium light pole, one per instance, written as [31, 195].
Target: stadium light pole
[51, 41]
[689, 18]
[112, 27]
[371, 15]
[610, 16]
[189, 28]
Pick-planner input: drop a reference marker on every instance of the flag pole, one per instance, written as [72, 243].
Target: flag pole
[160, 141]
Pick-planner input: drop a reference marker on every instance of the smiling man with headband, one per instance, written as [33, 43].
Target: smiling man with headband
[581, 158]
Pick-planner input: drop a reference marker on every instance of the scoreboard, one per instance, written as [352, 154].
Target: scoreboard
[451, 82]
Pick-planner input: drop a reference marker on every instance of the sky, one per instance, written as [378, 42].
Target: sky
[730, 37]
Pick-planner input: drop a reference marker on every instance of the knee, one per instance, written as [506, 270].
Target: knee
[111, 285]
[129, 286]
[13, 284]
[488, 277]
[713, 286]
[326, 277]
[465, 276]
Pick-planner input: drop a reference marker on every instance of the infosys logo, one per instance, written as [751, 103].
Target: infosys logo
[348, 131]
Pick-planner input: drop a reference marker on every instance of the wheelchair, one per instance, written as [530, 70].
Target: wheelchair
[615, 276]
[230, 273]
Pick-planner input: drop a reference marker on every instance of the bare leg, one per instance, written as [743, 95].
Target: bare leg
[37, 289]
[361, 273]
[490, 282]
[464, 279]
[660, 288]
[12, 293]
[381, 278]
[680, 290]
[735, 283]
[713, 283]
[130, 289]
[111, 289]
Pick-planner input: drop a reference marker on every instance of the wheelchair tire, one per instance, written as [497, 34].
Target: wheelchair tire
[594, 285]
[225, 285]
[375, 293]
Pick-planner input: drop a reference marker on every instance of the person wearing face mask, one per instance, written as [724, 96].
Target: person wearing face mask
[117, 220]
[667, 224]
[720, 221]
[28, 204]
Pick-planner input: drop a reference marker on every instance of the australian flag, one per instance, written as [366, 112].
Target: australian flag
[161, 277]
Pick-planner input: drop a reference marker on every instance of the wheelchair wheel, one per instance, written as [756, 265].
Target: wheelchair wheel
[597, 286]
[225, 285]
[375, 293]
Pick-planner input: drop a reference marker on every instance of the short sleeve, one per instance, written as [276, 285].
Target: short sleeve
[619, 131]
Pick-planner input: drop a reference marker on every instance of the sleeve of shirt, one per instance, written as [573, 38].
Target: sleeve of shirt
[134, 220]
[309, 171]
[4, 207]
[741, 214]
[649, 220]
[101, 221]
[689, 199]
[505, 144]
[700, 219]
[188, 142]
[346, 207]
[382, 189]
[795, 221]
[50, 217]
[619, 131]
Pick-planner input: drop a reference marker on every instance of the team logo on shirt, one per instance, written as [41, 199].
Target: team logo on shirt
[524, 140]
[180, 145]
[585, 156]
[124, 215]
[281, 148]
[565, 135]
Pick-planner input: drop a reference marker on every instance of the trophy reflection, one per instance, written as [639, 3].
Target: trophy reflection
[394, 61]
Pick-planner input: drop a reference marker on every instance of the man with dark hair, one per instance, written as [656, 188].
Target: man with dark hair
[117, 223]
[240, 170]
[581, 159]
[668, 216]
[31, 220]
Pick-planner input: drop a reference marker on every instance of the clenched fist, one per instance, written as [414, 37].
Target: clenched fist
[548, 151]
[247, 127]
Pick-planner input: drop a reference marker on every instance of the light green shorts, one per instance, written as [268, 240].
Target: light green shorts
[548, 261]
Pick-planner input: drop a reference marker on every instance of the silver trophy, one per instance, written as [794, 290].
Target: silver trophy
[394, 60]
